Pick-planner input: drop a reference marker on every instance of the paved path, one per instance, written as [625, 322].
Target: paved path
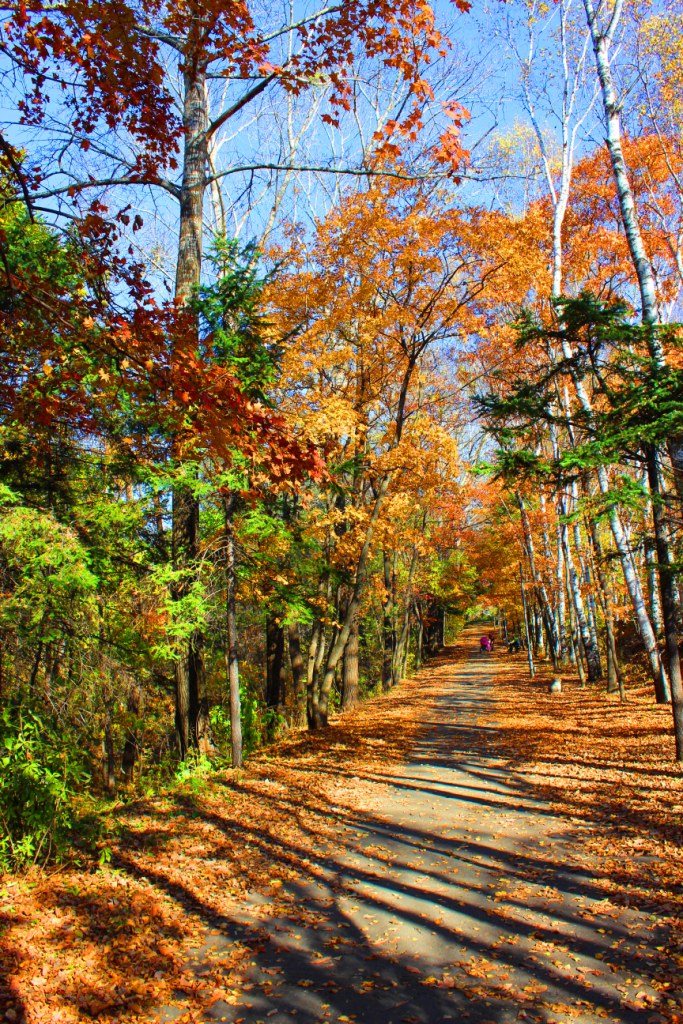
[453, 895]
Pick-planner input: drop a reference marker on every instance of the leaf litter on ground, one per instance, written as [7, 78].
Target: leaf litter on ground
[115, 943]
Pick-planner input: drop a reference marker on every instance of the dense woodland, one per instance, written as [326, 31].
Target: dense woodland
[323, 326]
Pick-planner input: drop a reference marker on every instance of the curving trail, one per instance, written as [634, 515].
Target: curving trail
[452, 894]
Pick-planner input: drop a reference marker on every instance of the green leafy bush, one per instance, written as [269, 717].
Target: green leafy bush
[256, 722]
[219, 718]
[193, 772]
[38, 779]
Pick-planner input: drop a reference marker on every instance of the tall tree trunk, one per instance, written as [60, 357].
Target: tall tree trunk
[337, 648]
[275, 667]
[529, 652]
[593, 620]
[298, 676]
[401, 651]
[657, 670]
[614, 676]
[109, 757]
[539, 643]
[574, 635]
[621, 543]
[602, 41]
[650, 549]
[193, 185]
[537, 580]
[316, 653]
[232, 664]
[349, 697]
[419, 640]
[589, 646]
[388, 627]
[189, 667]
[669, 606]
[398, 670]
[561, 617]
[585, 578]
[131, 745]
[552, 628]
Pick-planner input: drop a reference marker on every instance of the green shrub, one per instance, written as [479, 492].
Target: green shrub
[38, 779]
[253, 731]
[192, 773]
[219, 718]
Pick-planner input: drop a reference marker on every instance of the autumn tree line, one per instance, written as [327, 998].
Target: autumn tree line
[243, 481]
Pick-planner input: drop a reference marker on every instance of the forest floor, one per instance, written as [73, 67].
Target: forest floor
[465, 847]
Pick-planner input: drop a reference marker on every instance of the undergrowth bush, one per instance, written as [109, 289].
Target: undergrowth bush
[38, 780]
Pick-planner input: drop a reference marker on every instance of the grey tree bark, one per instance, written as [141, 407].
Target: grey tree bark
[185, 508]
[537, 579]
[349, 696]
[667, 578]
[296, 660]
[589, 646]
[615, 679]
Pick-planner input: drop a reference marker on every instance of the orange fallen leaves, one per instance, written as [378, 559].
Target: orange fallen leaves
[115, 944]
[608, 768]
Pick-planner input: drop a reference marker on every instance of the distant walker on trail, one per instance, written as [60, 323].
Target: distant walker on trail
[485, 645]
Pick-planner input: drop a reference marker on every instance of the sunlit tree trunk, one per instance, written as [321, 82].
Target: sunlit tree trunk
[602, 42]
[591, 652]
[574, 635]
[536, 578]
[527, 631]
[623, 547]
[555, 629]
[614, 676]
[650, 550]
[561, 618]
[316, 655]
[349, 697]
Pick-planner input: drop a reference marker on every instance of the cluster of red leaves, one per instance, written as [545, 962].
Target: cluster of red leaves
[610, 767]
[113, 944]
[114, 52]
[97, 367]
[119, 68]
